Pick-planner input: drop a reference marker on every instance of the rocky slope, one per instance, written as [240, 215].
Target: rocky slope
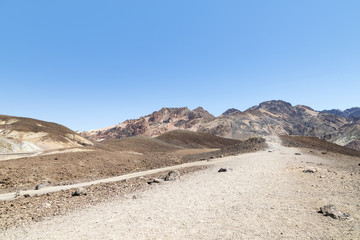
[353, 113]
[267, 118]
[164, 120]
[25, 135]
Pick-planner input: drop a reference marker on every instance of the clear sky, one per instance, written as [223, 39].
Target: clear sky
[91, 64]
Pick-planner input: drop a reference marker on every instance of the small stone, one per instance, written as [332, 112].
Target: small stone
[308, 171]
[155, 180]
[331, 211]
[222, 170]
[158, 180]
[297, 153]
[323, 152]
[172, 175]
[26, 195]
[42, 185]
[79, 192]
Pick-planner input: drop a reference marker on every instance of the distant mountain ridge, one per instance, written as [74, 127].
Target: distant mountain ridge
[353, 113]
[267, 118]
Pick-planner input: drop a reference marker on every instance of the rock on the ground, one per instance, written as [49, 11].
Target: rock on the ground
[42, 185]
[308, 171]
[155, 180]
[79, 192]
[222, 170]
[172, 175]
[331, 211]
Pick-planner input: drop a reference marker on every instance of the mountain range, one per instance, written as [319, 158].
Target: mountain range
[267, 118]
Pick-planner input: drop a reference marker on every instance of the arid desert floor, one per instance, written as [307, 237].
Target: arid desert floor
[262, 195]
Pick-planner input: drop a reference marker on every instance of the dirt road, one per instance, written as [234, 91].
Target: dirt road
[263, 195]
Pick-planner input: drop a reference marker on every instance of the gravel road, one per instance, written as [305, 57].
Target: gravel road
[263, 195]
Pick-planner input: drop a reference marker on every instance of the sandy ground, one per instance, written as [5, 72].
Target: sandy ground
[263, 195]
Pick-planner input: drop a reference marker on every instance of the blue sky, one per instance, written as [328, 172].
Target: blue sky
[92, 64]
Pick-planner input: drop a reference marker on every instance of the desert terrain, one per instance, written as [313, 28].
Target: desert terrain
[272, 193]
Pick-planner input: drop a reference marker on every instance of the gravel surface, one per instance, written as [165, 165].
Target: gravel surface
[262, 195]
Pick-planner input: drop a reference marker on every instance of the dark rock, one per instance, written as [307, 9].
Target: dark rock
[297, 153]
[26, 195]
[42, 185]
[331, 211]
[79, 192]
[308, 171]
[172, 175]
[155, 180]
[222, 170]
[323, 152]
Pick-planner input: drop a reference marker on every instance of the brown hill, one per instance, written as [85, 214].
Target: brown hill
[249, 145]
[316, 143]
[140, 144]
[188, 139]
[19, 135]
[167, 142]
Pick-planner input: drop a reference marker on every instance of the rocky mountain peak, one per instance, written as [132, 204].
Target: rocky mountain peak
[277, 107]
[231, 111]
[305, 107]
[202, 113]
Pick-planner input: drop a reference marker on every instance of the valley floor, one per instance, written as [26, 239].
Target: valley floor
[263, 195]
